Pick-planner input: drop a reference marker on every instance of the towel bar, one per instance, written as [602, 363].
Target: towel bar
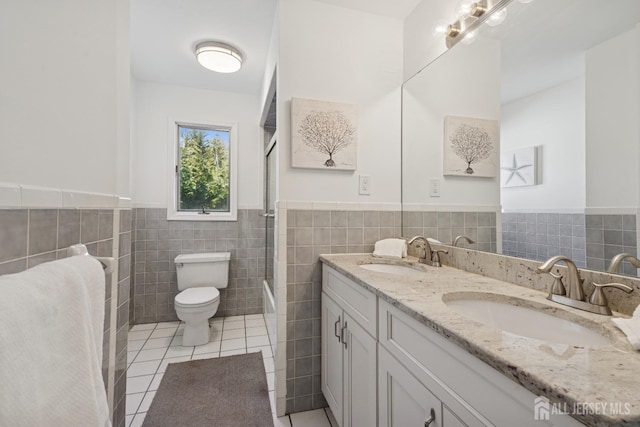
[80, 249]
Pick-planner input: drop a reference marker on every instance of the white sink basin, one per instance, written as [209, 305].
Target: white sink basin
[527, 322]
[400, 270]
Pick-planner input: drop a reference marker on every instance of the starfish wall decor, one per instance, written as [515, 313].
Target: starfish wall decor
[518, 167]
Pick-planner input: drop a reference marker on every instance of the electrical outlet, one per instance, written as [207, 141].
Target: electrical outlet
[365, 185]
[434, 188]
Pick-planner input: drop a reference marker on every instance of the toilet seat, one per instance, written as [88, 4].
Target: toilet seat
[197, 297]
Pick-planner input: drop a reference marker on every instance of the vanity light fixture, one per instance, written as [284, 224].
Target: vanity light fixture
[453, 30]
[470, 37]
[478, 9]
[497, 17]
[218, 57]
[471, 14]
[463, 8]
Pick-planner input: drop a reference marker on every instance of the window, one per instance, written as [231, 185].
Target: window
[203, 166]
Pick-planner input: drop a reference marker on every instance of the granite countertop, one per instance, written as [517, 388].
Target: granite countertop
[563, 373]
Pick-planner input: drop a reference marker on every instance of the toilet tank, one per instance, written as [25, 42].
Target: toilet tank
[199, 270]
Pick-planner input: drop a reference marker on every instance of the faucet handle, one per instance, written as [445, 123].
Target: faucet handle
[557, 287]
[435, 256]
[439, 251]
[598, 297]
[422, 248]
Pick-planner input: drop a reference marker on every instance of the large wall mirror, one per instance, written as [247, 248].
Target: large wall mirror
[561, 78]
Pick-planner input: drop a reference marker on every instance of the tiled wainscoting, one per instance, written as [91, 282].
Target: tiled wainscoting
[309, 234]
[33, 236]
[538, 236]
[445, 226]
[609, 235]
[591, 241]
[156, 243]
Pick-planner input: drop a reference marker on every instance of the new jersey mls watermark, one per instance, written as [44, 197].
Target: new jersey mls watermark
[543, 408]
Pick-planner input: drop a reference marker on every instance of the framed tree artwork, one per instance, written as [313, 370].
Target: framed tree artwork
[324, 135]
[471, 147]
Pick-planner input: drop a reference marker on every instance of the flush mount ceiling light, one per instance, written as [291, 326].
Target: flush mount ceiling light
[219, 57]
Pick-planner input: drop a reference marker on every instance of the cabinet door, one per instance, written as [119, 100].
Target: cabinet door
[450, 420]
[360, 406]
[404, 401]
[332, 356]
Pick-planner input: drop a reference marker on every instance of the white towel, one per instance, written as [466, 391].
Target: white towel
[51, 328]
[390, 248]
[631, 327]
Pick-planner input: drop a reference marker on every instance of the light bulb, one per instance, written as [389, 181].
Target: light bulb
[463, 9]
[470, 37]
[497, 18]
[440, 28]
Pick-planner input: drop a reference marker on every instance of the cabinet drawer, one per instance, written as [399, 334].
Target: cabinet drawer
[471, 389]
[357, 302]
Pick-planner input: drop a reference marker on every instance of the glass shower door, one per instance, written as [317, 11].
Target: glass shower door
[269, 213]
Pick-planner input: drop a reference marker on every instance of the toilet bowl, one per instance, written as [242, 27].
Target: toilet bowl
[199, 278]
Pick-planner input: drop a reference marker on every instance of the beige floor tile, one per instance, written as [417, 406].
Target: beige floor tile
[207, 348]
[233, 344]
[165, 362]
[233, 352]
[133, 402]
[151, 343]
[143, 368]
[138, 384]
[315, 418]
[143, 327]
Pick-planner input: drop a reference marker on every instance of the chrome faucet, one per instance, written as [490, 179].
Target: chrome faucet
[572, 294]
[458, 238]
[429, 256]
[617, 260]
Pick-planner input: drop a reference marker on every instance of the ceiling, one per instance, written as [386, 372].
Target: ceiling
[164, 34]
[543, 42]
[392, 8]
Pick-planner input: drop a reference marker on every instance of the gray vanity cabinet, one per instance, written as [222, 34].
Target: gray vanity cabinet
[349, 351]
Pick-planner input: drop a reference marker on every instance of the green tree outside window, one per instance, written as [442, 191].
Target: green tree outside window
[204, 169]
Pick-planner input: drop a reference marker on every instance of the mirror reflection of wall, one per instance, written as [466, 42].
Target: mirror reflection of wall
[568, 89]
[462, 204]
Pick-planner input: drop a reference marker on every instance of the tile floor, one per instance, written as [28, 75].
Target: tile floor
[153, 346]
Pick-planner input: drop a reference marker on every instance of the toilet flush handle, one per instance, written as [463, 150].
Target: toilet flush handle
[180, 265]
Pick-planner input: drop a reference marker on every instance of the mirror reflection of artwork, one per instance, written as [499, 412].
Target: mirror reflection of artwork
[470, 147]
[324, 135]
[518, 167]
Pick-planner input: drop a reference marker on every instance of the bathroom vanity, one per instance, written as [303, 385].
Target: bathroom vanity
[397, 346]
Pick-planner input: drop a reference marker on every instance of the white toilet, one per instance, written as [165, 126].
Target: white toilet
[199, 278]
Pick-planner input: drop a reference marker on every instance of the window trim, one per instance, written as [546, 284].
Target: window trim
[173, 214]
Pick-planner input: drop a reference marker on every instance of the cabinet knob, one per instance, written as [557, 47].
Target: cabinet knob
[431, 419]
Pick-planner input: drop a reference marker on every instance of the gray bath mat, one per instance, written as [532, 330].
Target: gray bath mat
[223, 392]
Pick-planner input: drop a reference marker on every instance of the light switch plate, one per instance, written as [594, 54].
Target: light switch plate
[434, 188]
[365, 185]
